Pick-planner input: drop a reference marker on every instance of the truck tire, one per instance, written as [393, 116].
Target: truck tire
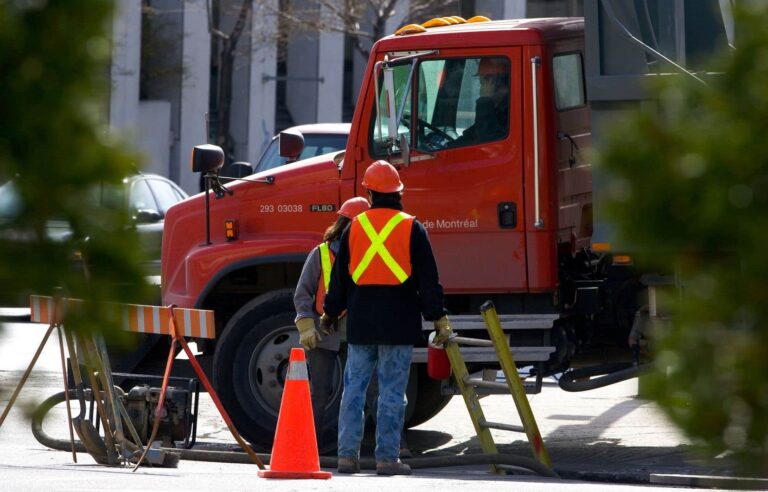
[251, 362]
[428, 400]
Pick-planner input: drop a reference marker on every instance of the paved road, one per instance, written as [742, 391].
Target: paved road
[607, 435]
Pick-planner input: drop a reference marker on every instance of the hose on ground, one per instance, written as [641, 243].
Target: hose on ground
[369, 464]
[521, 462]
[579, 379]
[39, 415]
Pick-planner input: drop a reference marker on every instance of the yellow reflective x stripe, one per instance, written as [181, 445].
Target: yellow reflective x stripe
[377, 247]
[325, 262]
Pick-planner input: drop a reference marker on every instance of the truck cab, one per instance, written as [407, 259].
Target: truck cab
[498, 178]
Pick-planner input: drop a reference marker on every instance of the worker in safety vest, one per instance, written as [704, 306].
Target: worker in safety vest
[385, 276]
[308, 301]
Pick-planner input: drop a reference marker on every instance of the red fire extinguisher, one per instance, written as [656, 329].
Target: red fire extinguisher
[438, 365]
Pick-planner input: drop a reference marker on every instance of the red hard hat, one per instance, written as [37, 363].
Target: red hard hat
[491, 66]
[353, 207]
[382, 176]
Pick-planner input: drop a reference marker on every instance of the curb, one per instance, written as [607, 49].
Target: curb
[709, 481]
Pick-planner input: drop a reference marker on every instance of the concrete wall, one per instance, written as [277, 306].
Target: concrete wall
[315, 72]
[241, 85]
[124, 70]
[154, 137]
[331, 71]
[302, 72]
[555, 8]
[164, 72]
[263, 66]
[195, 85]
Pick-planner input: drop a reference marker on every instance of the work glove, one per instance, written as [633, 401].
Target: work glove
[328, 324]
[443, 331]
[308, 334]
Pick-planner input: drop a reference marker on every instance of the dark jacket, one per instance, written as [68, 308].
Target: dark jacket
[385, 314]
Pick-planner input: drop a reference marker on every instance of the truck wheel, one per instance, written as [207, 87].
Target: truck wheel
[251, 362]
[428, 399]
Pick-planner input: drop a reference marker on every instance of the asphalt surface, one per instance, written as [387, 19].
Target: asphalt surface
[605, 439]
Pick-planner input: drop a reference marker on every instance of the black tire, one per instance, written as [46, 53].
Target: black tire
[251, 362]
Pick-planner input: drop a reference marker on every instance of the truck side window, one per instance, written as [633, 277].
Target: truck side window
[462, 101]
[569, 81]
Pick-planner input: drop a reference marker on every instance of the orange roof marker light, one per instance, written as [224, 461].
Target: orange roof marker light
[410, 29]
[437, 22]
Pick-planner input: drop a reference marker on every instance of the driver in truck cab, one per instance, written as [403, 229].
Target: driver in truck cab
[492, 106]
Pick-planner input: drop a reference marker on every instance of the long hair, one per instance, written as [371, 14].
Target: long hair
[334, 231]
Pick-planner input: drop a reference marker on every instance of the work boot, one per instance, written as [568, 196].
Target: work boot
[392, 468]
[405, 451]
[347, 464]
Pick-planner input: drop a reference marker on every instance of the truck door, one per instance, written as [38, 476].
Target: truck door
[461, 116]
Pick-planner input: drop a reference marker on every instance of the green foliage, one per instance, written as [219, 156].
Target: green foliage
[54, 141]
[690, 189]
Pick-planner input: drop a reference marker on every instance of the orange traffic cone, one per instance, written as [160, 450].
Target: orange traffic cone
[294, 452]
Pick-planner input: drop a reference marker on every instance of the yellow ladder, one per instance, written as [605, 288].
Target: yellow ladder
[467, 387]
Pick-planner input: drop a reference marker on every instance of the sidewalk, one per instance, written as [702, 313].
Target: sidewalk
[608, 434]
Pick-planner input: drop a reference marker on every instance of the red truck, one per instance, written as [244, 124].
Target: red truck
[509, 214]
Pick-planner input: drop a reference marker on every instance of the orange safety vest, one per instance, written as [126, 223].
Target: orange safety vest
[326, 263]
[380, 247]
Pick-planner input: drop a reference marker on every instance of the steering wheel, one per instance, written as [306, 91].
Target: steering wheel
[437, 130]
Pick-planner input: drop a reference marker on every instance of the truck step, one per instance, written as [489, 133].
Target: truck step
[488, 354]
[508, 322]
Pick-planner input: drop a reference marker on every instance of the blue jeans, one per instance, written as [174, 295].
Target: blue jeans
[392, 363]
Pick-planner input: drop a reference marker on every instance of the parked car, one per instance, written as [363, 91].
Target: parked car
[319, 139]
[293, 144]
[147, 196]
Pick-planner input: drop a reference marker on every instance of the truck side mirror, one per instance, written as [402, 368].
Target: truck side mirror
[147, 216]
[291, 143]
[206, 158]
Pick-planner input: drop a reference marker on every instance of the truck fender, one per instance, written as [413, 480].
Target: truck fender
[244, 263]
